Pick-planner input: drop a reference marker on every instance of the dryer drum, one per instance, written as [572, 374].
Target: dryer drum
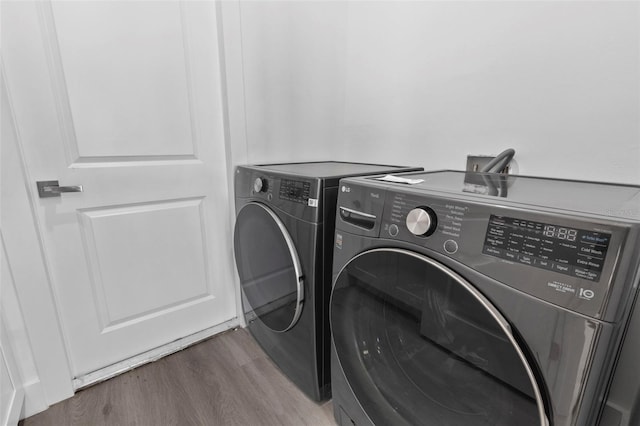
[416, 341]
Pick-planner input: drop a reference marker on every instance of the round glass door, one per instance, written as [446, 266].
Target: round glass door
[417, 343]
[269, 268]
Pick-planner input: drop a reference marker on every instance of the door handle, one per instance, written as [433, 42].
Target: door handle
[51, 188]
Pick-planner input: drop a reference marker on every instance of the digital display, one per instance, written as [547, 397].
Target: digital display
[570, 251]
[295, 190]
[560, 233]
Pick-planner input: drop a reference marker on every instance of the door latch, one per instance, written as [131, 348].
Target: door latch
[51, 188]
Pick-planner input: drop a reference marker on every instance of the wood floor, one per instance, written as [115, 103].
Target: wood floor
[225, 380]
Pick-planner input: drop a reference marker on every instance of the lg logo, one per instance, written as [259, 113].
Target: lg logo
[346, 188]
[586, 294]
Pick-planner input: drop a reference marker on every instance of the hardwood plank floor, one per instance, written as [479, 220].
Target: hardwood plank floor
[225, 380]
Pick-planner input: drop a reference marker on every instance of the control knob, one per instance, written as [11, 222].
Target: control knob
[260, 185]
[421, 221]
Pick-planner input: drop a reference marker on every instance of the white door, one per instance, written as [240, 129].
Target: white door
[124, 98]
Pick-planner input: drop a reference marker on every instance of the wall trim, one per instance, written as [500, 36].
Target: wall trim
[233, 106]
[35, 400]
[8, 359]
[152, 355]
[26, 253]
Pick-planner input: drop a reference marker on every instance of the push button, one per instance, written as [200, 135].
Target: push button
[450, 246]
[393, 229]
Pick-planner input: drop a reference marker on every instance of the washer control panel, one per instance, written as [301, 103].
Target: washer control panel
[424, 221]
[563, 259]
[567, 250]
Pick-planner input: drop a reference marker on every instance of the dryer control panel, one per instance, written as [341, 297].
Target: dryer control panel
[294, 195]
[295, 190]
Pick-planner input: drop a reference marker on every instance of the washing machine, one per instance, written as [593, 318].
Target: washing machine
[473, 300]
[283, 242]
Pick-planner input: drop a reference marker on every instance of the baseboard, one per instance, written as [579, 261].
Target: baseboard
[34, 399]
[150, 356]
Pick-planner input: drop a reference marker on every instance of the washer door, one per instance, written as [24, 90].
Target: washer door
[419, 344]
[269, 268]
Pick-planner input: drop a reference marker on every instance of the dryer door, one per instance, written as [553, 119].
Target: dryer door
[269, 268]
[419, 344]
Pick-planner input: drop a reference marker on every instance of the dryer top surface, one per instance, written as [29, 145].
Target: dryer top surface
[332, 169]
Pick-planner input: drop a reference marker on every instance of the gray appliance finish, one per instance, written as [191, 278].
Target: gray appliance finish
[623, 402]
[283, 241]
[479, 299]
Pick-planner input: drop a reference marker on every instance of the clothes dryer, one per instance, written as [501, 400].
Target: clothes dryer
[283, 242]
[479, 299]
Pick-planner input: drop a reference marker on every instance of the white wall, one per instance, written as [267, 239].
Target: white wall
[293, 55]
[425, 83]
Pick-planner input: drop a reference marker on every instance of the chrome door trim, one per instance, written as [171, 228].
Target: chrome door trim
[367, 215]
[502, 321]
[296, 264]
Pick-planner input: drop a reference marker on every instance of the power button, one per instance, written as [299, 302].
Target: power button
[393, 229]
[450, 246]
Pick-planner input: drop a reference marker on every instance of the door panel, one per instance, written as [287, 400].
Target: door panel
[124, 98]
[127, 292]
[141, 110]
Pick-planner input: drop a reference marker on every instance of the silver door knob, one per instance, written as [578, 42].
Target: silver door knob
[51, 188]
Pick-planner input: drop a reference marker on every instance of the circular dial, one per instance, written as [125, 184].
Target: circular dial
[421, 221]
[260, 185]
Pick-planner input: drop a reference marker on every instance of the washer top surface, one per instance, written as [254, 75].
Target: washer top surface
[330, 169]
[604, 199]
